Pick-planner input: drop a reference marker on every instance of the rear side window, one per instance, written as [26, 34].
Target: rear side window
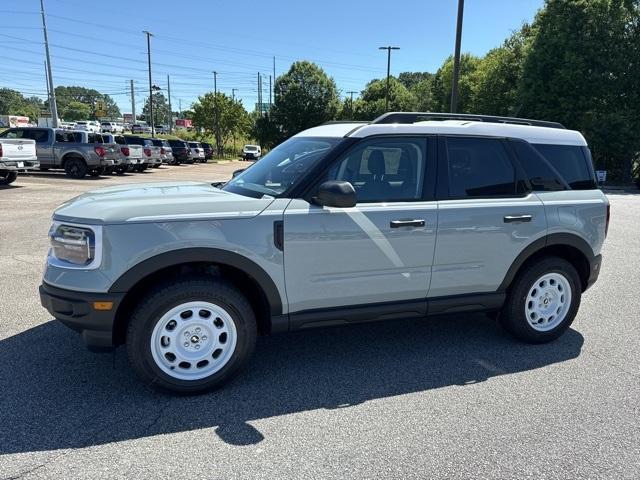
[135, 140]
[572, 162]
[120, 140]
[479, 167]
[541, 175]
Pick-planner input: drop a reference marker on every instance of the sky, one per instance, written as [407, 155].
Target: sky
[101, 45]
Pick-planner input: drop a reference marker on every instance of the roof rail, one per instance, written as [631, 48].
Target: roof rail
[339, 122]
[413, 117]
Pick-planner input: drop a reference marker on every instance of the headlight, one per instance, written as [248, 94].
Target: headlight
[75, 246]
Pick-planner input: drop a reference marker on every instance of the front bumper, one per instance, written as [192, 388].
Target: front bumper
[19, 166]
[76, 311]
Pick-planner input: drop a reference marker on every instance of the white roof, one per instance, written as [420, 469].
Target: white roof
[532, 134]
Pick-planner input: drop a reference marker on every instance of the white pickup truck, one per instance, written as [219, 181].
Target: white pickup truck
[16, 155]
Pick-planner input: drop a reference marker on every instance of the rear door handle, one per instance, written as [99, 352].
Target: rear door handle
[407, 223]
[517, 218]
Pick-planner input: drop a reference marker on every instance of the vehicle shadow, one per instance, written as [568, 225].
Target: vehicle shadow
[57, 395]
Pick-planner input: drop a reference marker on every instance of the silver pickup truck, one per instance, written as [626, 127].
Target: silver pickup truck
[16, 154]
[129, 157]
[151, 153]
[60, 149]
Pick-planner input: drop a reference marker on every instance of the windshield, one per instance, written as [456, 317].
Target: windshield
[251, 148]
[282, 167]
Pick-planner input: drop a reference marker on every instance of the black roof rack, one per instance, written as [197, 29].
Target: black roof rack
[413, 117]
[338, 122]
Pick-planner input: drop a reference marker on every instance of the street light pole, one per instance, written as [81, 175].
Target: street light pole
[153, 128]
[215, 110]
[351, 101]
[456, 59]
[388, 49]
[53, 106]
[170, 111]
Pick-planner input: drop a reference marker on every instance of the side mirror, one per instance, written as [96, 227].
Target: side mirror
[336, 193]
[237, 172]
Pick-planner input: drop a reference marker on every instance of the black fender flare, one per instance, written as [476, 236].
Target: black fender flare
[568, 239]
[201, 254]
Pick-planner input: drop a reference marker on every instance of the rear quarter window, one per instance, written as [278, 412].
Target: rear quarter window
[573, 162]
[541, 175]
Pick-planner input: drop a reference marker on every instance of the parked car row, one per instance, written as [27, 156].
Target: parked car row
[84, 152]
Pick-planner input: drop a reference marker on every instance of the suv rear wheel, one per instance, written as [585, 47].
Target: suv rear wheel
[191, 336]
[543, 301]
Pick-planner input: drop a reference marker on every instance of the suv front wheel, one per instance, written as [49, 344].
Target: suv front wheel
[543, 301]
[191, 336]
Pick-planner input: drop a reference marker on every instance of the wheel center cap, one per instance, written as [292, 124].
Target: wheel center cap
[195, 339]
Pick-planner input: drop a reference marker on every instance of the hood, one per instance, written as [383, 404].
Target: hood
[158, 202]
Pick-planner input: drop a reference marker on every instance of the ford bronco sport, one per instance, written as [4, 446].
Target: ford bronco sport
[410, 215]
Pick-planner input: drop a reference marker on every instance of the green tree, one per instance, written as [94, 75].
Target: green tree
[441, 86]
[221, 115]
[412, 79]
[372, 99]
[582, 69]
[87, 96]
[160, 109]
[497, 77]
[423, 94]
[74, 111]
[13, 102]
[304, 97]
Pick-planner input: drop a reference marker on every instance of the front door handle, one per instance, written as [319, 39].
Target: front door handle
[517, 218]
[407, 223]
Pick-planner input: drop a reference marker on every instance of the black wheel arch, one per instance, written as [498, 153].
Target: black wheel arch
[215, 256]
[570, 246]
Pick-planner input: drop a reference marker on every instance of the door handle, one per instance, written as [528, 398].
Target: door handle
[517, 218]
[407, 223]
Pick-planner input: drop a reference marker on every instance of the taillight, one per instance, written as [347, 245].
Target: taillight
[100, 151]
[125, 151]
[147, 152]
[606, 228]
[162, 150]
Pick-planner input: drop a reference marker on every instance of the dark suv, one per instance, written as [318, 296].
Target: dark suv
[180, 151]
[208, 151]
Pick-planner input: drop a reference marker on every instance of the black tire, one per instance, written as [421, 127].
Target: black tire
[120, 169]
[160, 301]
[513, 315]
[75, 167]
[7, 178]
[96, 172]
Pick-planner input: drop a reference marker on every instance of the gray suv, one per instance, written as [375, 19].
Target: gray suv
[413, 214]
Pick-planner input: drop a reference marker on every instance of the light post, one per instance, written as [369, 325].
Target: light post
[456, 59]
[153, 128]
[388, 49]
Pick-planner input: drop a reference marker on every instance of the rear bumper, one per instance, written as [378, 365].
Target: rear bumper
[594, 270]
[19, 165]
[75, 310]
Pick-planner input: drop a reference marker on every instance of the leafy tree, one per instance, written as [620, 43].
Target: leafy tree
[441, 86]
[582, 69]
[265, 130]
[160, 109]
[304, 97]
[87, 96]
[372, 99]
[221, 115]
[412, 79]
[74, 111]
[13, 102]
[423, 95]
[497, 76]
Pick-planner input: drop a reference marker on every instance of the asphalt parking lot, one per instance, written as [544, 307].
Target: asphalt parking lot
[448, 397]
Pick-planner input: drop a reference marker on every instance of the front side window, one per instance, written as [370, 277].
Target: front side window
[385, 169]
[283, 167]
[479, 167]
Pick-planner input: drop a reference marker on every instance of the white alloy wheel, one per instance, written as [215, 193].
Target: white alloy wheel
[548, 301]
[193, 340]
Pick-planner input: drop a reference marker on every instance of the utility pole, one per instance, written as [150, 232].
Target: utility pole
[351, 101]
[180, 107]
[133, 103]
[259, 99]
[274, 79]
[53, 106]
[46, 77]
[170, 111]
[269, 94]
[388, 49]
[456, 59]
[215, 111]
[233, 93]
[153, 127]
